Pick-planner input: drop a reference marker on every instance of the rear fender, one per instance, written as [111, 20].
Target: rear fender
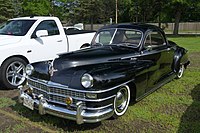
[180, 58]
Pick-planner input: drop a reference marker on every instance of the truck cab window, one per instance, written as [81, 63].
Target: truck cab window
[50, 26]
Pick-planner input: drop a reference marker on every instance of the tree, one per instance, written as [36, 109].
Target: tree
[37, 7]
[6, 10]
[179, 6]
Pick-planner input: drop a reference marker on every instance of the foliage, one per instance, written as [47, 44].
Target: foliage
[36, 7]
[91, 11]
[6, 10]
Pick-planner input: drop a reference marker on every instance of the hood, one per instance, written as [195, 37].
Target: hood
[7, 39]
[92, 56]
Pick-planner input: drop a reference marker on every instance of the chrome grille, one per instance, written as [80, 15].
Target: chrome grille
[53, 94]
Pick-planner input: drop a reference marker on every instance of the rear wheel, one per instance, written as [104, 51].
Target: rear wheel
[13, 72]
[121, 101]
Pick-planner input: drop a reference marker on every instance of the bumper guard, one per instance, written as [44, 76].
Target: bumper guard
[80, 115]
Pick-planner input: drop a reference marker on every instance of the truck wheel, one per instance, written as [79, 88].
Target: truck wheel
[13, 72]
[121, 101]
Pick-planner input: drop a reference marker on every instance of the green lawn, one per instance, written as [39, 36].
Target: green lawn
[175, 107]
[190, 43]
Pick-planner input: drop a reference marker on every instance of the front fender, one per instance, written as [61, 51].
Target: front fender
[119, 73]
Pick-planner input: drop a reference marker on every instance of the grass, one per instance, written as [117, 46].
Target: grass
[190, 43]
[175, 107]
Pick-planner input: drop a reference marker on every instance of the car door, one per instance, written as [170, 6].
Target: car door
[47, 47]
[156, 50]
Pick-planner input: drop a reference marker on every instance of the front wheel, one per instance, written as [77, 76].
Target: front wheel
[180, 72]
[121, 101]
[13, 72]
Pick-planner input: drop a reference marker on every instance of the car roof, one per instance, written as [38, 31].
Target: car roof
[138, 26]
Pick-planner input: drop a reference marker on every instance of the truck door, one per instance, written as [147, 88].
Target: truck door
[47, 47]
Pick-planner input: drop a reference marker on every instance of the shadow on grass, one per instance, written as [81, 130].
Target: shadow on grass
[190, 121]
[49, 120]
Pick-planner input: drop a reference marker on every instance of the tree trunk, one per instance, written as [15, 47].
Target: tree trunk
[159, 20]
[92, 22]
[177, 20]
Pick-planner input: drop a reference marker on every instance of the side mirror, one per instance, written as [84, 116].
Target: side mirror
[41, 33]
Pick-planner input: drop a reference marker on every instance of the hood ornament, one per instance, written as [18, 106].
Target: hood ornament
[52, 70]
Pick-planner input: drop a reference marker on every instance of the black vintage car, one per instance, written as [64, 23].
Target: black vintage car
[124, 63]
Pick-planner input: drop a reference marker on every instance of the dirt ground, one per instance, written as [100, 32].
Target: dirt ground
[10, 121]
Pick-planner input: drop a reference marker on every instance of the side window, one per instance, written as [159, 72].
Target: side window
[154, 39]
[50, 26]
[103, 37]
[132, 37]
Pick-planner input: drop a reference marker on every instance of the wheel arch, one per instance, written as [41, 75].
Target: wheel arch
[133, 90]
[19, 56]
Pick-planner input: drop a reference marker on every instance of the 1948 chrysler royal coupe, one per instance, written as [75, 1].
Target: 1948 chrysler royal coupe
[124, 63]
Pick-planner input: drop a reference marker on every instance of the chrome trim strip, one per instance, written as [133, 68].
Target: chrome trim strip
[99, 108]
[52, 84]
[145, 54]
[76, 98]
[73, 105]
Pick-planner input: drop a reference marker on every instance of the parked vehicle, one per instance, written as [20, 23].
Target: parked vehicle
[32, 39]
[125, 63]
[71, 28]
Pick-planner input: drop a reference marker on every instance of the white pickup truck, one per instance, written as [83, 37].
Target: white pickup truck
[32, 39]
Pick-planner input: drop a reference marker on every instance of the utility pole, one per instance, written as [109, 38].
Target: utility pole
[116, 12]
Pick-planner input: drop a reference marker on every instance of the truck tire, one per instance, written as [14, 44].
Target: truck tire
[13, 72]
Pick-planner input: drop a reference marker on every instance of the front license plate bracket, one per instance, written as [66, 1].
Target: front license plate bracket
[29, 103]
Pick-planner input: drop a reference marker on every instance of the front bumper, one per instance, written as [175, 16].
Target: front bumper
[80, 115]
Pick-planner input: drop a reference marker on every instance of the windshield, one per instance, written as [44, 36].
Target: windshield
[16, 27]
[117, 36]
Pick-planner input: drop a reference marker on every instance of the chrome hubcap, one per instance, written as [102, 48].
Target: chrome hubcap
[180, 72]
[15, 73]
[121, 100]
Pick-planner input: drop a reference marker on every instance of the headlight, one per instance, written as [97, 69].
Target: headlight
[87, 80]
[29, 69]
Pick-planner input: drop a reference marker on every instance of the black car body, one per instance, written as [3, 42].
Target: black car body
[124, 63]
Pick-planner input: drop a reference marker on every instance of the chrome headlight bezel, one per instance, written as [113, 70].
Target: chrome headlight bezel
[29, 69]
[87, 80]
